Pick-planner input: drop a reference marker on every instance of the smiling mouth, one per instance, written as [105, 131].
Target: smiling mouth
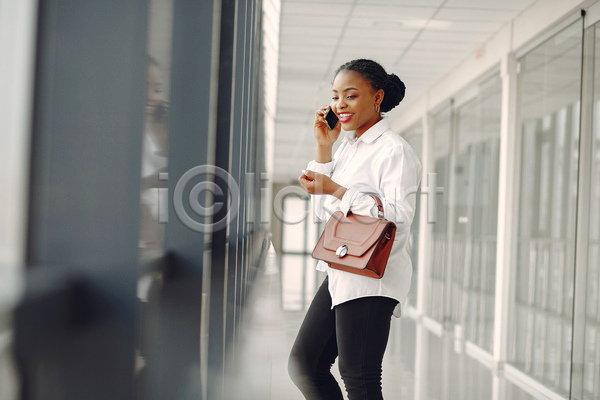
[345, 117]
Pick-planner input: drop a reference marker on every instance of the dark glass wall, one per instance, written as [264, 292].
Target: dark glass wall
[146, 176]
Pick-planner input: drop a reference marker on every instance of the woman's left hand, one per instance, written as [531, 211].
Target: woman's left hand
[316, 183]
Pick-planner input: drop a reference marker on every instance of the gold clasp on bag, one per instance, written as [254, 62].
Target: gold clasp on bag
[341, 251]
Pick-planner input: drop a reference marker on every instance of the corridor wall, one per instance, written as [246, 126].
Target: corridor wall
[508, 268]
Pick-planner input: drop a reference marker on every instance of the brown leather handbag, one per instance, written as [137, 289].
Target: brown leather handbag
[356, 243]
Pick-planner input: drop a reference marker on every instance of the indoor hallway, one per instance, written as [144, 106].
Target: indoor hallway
[421, 363]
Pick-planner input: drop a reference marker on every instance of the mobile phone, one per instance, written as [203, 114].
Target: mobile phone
[331, 119]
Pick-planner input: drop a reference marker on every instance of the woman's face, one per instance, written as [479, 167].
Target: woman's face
[354, 100]
[153, 89]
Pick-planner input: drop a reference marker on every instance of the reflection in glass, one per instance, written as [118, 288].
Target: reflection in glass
[414, 137]
[514, 392]
[436, 306]
[156, 128]
[474, 213]
[437, 370]
[154, 190]
[154, 164]
[549, 102]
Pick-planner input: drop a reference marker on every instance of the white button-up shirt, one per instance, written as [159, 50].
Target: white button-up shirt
[379, 162]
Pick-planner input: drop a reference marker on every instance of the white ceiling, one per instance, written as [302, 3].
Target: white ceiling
[420, 41]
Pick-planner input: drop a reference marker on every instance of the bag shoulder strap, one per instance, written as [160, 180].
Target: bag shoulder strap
[379, 206]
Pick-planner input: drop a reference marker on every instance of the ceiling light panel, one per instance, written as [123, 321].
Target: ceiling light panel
[300, 30]
[516, 5]
[376, 34]
[422, 3]
[390, 44]
[451, 37]
[314, 39]
[464, 26]
[309, 21]
[315, 4]
[306, 51]
[475, 14]
[306, 8]
[432, 45]
[385, 59]
[395, 13]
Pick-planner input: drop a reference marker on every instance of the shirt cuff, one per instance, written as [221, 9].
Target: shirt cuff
[322, 168]
[347, 199]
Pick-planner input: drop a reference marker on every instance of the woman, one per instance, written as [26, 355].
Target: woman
[350, 315]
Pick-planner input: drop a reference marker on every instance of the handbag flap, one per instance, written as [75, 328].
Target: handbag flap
[358, 232]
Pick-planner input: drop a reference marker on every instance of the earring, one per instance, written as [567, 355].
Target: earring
[377, 107]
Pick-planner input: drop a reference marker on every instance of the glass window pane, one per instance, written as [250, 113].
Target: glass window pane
[591, 375]
[549, 103]
[294, 225]
[156, 129]
[299, 281]
[436, 285]
[293, 271]
[474, 213]
[154, 183]
[414, 137]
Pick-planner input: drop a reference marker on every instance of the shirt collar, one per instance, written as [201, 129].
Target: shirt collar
[371, 134]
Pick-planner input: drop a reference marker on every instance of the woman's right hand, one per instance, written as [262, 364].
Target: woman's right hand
[323, 135]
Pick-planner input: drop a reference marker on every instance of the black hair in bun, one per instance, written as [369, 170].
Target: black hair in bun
[394, 93]
[393, 88]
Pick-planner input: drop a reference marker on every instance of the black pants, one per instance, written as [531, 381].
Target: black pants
[357, 331]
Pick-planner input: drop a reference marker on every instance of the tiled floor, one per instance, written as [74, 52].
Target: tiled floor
[418, 364]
